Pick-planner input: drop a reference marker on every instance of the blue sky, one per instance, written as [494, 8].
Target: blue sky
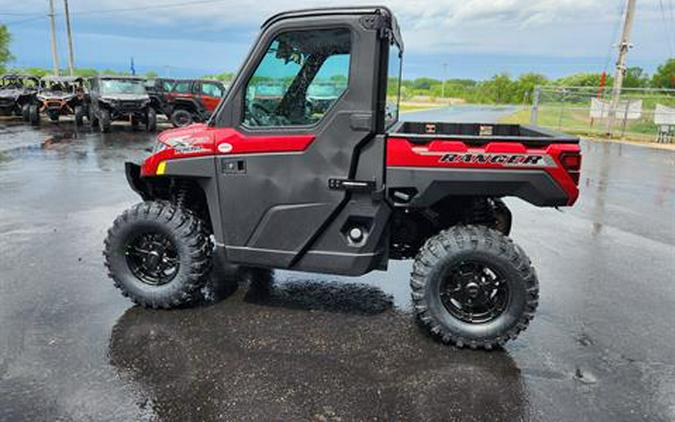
[476, 38]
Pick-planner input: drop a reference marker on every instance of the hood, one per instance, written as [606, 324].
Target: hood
[125, 97]
[11, 93]
[55, 95]
[197, 133]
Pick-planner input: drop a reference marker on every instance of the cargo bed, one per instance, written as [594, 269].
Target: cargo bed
[479, 133]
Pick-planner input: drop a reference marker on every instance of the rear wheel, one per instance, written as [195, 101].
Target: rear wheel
[472, 286]
[151, 122]
[34, 115]
[158, 254]
[181, 118]
[104, 120]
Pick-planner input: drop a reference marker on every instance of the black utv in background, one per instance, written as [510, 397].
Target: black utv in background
[60, 96]
[17, 93]
[157, 89]
[120, 98]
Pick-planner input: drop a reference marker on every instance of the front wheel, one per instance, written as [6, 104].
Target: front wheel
[151, 120]
[104, 121]
[79, 115]
[34, 115]
[158, 254]
[472, 286]
[25, 112]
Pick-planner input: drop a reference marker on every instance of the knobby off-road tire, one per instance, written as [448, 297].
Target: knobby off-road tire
[151, 120]
[104, 121]
[25, 112]
[441, 267]
[79, 115]
[186, 234]
[181, 118]
[34, 115]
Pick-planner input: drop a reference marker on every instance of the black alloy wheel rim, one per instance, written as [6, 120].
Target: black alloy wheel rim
[474, 292]
[152, 257]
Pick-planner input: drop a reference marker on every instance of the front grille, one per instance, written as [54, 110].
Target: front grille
[6, 102]
[130, 105]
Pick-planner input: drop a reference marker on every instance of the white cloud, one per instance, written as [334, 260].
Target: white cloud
[553, 27]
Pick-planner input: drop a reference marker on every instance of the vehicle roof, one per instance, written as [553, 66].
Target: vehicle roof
[333, 11]
[125, 77]
[18, 76]
[53, 78]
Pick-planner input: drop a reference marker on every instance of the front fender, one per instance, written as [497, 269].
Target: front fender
[133, 173]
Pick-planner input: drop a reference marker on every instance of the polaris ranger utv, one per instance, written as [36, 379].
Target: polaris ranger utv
[59, 96]
[278, 185]
[17, 93]
[120, 98]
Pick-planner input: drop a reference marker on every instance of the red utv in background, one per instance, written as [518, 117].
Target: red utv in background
[190, 101]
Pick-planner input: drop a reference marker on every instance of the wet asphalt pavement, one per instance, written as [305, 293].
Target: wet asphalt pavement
[308, 347]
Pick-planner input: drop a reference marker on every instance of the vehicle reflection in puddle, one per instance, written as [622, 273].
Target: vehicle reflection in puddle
[302, 349]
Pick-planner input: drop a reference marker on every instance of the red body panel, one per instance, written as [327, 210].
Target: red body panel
[199, 140]
[403, 153]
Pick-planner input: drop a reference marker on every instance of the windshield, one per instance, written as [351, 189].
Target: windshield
[121, 86]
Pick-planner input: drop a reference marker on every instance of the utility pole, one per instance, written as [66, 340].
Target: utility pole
[624, 46]
[71, 60]
[445, 71]
[55, 54]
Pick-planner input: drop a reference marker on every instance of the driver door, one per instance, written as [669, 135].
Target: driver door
[285, 168]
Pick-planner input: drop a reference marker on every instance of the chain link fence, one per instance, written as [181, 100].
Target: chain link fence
[640, 114]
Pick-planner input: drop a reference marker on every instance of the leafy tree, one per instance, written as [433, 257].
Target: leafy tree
[5, 54]
[583, 79]
[225, 76]
[635, 77]
[665, 75]
[525, 86]
[151, 74]
[86, 72]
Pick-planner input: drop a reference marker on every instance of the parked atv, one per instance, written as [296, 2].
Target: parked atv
[119, 98]
[272, 182]
[191, 101]
[60, 96]
[17, 93]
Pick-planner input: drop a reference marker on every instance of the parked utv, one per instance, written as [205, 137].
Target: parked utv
[118, 98]
[60, 96]
[17, 93]
[191, 101]
[272, 182]
[158, 89]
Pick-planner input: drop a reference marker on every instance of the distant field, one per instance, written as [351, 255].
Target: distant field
[577, 121]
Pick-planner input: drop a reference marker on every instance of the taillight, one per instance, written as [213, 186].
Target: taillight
[571, 161]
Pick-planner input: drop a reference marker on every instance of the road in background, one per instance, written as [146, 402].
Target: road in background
[325, 347]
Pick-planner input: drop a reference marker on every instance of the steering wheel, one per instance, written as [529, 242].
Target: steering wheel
[259, 114]
[262, 116]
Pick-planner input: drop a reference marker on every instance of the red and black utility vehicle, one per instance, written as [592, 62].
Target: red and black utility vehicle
[189, 101]
[342, 189]
[60, 96]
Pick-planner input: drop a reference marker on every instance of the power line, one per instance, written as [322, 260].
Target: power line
[156, 6]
